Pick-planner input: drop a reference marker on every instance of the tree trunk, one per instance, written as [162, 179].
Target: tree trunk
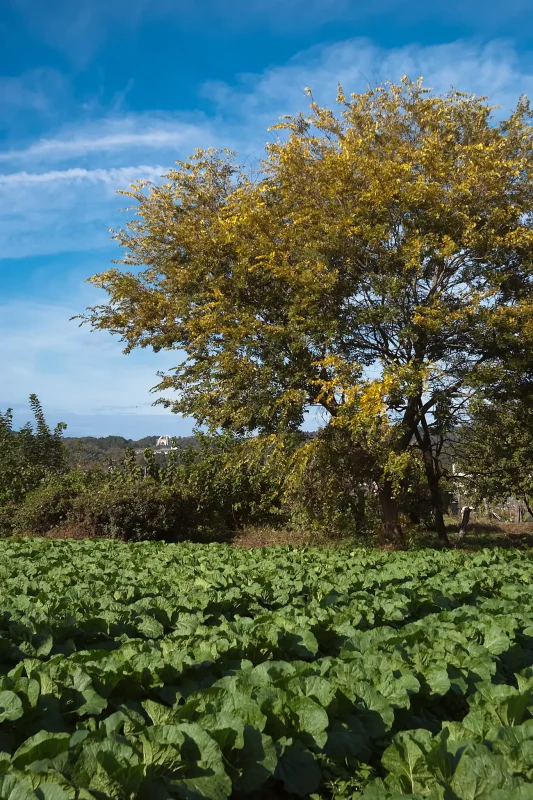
[440, 525]
[529, 511]
[390, 527]
[358, 508]
[433, 478]
[414, 517]
[436, 502]
[464, 521]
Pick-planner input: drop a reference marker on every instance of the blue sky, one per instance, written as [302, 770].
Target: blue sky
[96, 93]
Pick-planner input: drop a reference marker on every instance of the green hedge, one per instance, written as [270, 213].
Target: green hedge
[51, 504]
[136, 511]
[107, 507]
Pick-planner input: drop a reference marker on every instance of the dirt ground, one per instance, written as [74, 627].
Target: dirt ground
[504, 528]
[491, 533]
[481, 533]
[269, 537]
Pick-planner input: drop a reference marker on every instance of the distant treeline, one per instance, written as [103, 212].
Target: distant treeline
[90, 450]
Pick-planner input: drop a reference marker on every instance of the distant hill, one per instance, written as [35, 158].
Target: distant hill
[90, 450]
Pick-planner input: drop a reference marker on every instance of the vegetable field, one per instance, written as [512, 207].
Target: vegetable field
[158, 671]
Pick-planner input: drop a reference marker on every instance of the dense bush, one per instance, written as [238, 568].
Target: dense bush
[202, 492]
[146, 510]
[118, 505]
[330, 486]
[7, 513]
[322, 483]
[232, 481]
[51, 504]
[413, 497]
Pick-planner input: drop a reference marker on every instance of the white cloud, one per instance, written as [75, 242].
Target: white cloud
[63, 210]
[114, 177]
[494, 69]
[70, 367]
[57, 196]
[64, 199]
[75, 170]
[37, 90]
[110, 135]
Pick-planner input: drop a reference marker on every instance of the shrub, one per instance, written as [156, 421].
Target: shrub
[327, 488]
[104, 505]
[231, 481]
[51, 504]
[6, 519]
[29, 455]
[144, 510]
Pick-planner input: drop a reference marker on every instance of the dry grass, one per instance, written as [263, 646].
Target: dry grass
[270, 537]
[481, 533]
[247, 537]
[64, 532]
[504, 528]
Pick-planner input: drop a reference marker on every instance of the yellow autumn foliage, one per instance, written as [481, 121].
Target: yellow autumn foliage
[378, 265]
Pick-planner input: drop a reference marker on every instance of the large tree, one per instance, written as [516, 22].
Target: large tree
[495, 453]
[377, 265]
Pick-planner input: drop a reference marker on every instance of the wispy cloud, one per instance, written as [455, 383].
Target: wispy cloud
[113, 135]
[37, 97]
[32, 90]
[57, 196]
[112, 177]
[63, 210]
[77, 167]
[494, 68]
[73, 370]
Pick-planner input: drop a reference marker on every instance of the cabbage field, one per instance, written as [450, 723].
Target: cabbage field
[161, 671]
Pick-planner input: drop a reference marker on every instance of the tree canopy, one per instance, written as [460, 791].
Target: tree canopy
[378, 265]
[496, 454]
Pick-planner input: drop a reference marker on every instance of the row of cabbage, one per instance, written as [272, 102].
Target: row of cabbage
[161, 671]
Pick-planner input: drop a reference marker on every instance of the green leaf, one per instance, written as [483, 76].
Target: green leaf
[298, 769]
[149, 627]
[15, 787]
[158, 713]
[496, 640]
[110, 766]
[375, 713]
[347, 738]
[188, 758]
[226, 729]
[406, 761]
[51, 791]
[81, 692]
[309, 718]
[500, 704]
[254, 763]
[524, 792]
[10, 706]
[479, 773]
[378, 791]
[43, 747]
[438, 680]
